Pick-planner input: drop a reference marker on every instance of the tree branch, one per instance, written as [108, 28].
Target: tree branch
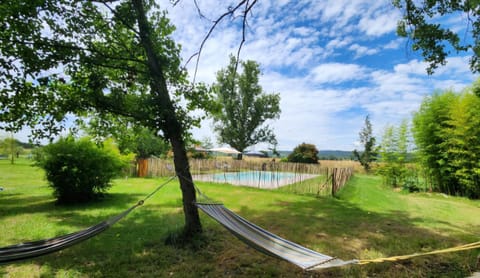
[120, 18]
[200, 11]
[231, 11]
[244, 26]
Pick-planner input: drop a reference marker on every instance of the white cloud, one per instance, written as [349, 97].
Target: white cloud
[339, 42]
[379, 23]
[336, 73]
[301, 46]
[413, 67]
[361, 51]
[455, 65]
[394, 44]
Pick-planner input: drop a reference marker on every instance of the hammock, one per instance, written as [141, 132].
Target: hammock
[33, 249]
[268, 243]
[273, 245]
[38, 248]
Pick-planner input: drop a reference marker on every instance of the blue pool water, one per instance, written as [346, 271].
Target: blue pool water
[253, 176]
[262, 179]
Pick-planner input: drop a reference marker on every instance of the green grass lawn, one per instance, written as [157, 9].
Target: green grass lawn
[366, 220]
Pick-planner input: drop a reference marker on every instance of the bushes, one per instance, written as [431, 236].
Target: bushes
[78, 171]
[304, 153]
[447, 134]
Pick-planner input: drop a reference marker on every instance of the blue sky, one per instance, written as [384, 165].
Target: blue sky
[333, 62]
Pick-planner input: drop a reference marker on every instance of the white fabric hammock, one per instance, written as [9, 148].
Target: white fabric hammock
[269, 243]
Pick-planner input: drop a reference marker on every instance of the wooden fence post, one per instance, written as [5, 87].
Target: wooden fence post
[334, 181]
[142, 167]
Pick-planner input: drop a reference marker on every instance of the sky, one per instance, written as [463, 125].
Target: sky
[332, 62]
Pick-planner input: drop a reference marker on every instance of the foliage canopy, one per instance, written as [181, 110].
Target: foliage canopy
[422, 22]
[304, 153]
[244, 107]
[131, 138]
[447, 134]
[395, 158]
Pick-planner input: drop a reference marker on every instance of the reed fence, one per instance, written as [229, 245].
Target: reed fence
[303, 178]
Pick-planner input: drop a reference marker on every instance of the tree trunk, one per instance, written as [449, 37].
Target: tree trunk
[192, 219]
[169, 123]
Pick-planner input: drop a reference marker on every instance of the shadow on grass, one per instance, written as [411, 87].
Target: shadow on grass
[16, 204]
[342, 230]
[135, 247]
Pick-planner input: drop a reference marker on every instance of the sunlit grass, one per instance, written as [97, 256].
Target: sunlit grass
[365, 220]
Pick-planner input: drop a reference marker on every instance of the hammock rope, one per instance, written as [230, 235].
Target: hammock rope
[32, 249]
[464, 247]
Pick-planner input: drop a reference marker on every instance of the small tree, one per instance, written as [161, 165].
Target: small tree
[394, 158]
[78, 171]
[304, 153]
[11, 147]
[369, 153]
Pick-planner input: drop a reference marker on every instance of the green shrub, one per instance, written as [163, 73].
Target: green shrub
[304, 153]
[400, 175]
[78, 171]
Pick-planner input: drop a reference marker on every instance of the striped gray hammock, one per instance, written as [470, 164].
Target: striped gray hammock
[38, 248]
[269, 243]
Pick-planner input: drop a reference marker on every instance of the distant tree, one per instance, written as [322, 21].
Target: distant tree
[393, 151]
[369, 153]
[422, 24]
[11, 147]
[206, 143]
[274, 150]
[304, 153]
[244, 107]
[129, 137]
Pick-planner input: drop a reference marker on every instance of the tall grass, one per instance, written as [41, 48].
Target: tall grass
[366, 220]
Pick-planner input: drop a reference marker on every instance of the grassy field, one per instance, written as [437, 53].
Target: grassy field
[366, 220]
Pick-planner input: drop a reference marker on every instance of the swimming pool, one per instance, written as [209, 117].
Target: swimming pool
[261, 179]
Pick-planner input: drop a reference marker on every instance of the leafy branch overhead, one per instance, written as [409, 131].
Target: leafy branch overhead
[62, 57]
[422, 23]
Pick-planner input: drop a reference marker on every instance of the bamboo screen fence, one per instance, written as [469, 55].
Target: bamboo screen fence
[297, 177]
